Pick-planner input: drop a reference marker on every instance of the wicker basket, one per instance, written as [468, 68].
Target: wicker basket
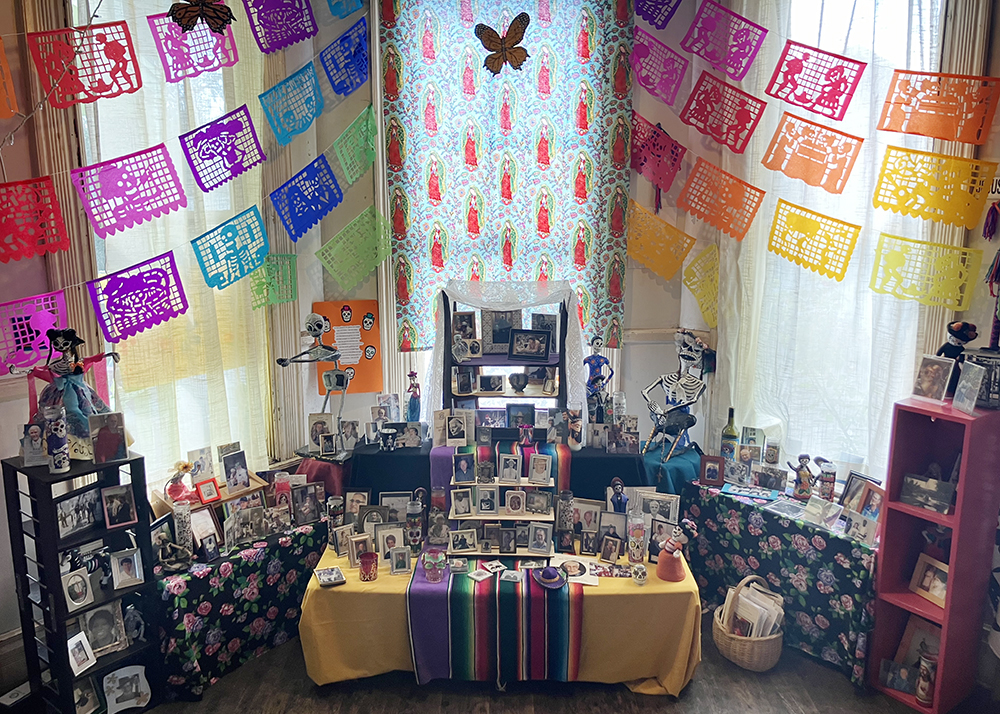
[758, 654]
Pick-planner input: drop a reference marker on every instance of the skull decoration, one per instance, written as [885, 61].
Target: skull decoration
[56, 439]
[345, 313]
[435, 561]
[350, 372]
[368, 321]
[639, 574]
[315, 325]
[370, 352]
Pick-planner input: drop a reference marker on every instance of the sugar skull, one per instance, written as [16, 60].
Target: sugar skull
[368, 321]
[435, 561]
[370, 352]
[639, 574]
[345, 313]
[350, 373]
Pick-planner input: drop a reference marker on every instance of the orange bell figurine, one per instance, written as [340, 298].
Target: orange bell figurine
[669, 566]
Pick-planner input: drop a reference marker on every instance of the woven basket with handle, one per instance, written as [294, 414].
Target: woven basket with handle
[758, 654]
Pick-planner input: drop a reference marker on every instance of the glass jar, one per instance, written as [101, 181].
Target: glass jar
[414, 525]
[335, 512]
[617, 407]
[564, 511]
[368, 566]
[387, 439]
[636, 528]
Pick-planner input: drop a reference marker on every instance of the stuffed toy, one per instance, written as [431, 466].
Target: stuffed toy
[959, 333]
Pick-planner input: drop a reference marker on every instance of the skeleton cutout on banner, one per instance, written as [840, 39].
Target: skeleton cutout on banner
[303, 201]
[729, 42]
[277, 24]
[654, 154]
[701, 277]
[188, 54]
[655, 243]
[930, 273]
[345, 60]
[275, 282]
[952, 107]
[812, 152]
[818, 81]
[292, 105]
[723, 112]
[657, 67]
[223, 149]
[681, 390]
[232, 251]
[812, 240]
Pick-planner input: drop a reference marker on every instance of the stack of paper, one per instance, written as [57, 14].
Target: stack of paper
[758, 613]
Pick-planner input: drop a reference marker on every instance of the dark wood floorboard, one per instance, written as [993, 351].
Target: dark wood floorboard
[276, 683]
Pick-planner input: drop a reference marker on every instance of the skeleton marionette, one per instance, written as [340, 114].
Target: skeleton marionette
[681, 389]
[67, 389]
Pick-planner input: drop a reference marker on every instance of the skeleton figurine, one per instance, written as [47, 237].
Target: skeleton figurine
[595, 363]
[681, 389]
[316, 325]
[174, 558]
[135, 628]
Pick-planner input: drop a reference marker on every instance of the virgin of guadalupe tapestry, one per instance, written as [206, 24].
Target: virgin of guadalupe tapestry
[519, 176]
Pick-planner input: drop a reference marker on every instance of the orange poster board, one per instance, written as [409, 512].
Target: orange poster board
[354, 330]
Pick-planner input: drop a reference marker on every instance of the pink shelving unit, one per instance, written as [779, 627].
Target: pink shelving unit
[923, 432]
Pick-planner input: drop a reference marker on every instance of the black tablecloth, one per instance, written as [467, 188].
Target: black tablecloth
[591, 471]
[405, 469]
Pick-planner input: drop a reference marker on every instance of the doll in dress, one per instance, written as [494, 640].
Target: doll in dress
[67, 389]
[413, 406]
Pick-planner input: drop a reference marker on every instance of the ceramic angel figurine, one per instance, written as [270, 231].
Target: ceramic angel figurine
[67, 389]
[413, 406]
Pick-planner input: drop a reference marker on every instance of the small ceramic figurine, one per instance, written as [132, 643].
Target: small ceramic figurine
[67, 389]
[316, 326]
[959, 333]
[619, 501]
[176, 489]
[597, 399]
[827, 478]
[668, 565]
[135, 628]
[460, 349]
[413, 406]
[802, 487]
[174, 558]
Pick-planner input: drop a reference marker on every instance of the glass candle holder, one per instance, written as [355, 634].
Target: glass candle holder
[56, 439]
[564, 511]
[414, 525]
[369, 567]
[434, 562]
[335, 512]
[636, 528]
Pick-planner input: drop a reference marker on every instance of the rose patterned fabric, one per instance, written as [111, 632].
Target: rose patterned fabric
[519, 176]
[220, 615]
[827, 580]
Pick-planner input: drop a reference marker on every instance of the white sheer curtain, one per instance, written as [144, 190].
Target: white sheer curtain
[200, 379]
[817, 362]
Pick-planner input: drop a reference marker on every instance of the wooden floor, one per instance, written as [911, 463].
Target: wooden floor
[276, 683]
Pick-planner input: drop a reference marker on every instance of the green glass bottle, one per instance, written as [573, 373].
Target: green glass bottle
[730, 439]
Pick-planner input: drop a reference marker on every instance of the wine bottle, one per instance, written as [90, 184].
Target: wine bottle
[730, 439]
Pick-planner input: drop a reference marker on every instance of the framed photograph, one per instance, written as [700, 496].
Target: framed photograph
[515, 503]
[209, 548]
[484, 435]
[872, 500]
[475, 347]
[659, 531]
[202, 466]
[391, 402]
[34, 451]
[588, 543]
[464, 324]
[538, 501]
[540, 538]
[491, 534]
[251, 500]
[380, 415]
[75, 514]
[307, 503]
[329, 577]
[341, 537]
[893, 675]
[399, 561]
[663, 506]
[565, 542]
[712, 470]
[396, 502]
[226, 449]
[319, 424]
[494, 418]
[126, 568]
[929, 493]
[328, 444]
[237, 474]
[461, 502]
[919, 636]
[119, 506]
[860, 528]
[539, 468]
[487, 501]
[967, 391]
[463, 468]
[930, 579]
[354, 499]
[204, 523]
[389, 536]
[107, 434]
[549, 386]
[486, 471]
[490, 384]
[105, 628]
[786, 508]
[610, 548]
[510, 468]
[556, 428]
[356, 545]
[547, 322]
[611, 523]
[519, 415]
[586, 514]
[771, 477]
[508, 540]
[81, 655]
[412, 436]
[457, 434]
[850, 497]
[521, 535]
[126, 688]
[932, 378]
[464, 383]
[529, 345]
[369, 517]
[497, 325]
[78, 589]
[464, 541]
[85, 696]
[208, 491]
[738, 473]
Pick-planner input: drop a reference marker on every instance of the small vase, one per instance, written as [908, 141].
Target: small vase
[369, 567]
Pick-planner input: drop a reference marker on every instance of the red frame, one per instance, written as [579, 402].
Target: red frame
[721, 462]
[201, 497]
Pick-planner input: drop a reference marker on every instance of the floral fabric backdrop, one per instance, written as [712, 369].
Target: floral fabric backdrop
[827, 580]
[520, 176]
[218, 616]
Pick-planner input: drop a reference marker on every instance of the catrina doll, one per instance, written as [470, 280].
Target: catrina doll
[67, 389]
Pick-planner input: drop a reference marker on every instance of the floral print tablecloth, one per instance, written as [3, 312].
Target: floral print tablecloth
[220, 615]
[827, 580]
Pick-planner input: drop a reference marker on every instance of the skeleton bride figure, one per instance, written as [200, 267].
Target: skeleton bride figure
[681, 389]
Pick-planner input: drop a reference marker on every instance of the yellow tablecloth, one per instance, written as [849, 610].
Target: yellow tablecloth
[647, 637]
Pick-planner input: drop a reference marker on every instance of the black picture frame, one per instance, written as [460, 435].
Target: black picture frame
[526, 413]
[520, 346]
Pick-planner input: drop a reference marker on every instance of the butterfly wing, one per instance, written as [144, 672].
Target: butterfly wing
[217, 16]
[185, 15]
[494, 62]
[515, 33]
[489, 37]
[516, 57]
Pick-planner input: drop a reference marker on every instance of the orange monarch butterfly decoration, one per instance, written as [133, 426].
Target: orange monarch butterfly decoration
[503, 49]
[216, 15]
